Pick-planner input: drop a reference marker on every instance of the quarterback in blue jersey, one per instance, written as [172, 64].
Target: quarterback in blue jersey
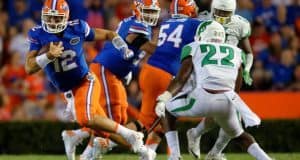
[65, 66]
[111, 66]
[164, 63]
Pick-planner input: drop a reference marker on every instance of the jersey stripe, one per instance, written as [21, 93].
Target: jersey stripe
[108, 106]
[132, 30]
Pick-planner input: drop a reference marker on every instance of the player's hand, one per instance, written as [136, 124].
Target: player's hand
[127, 53]
[247, 77]
[55, 50]
[160, 109]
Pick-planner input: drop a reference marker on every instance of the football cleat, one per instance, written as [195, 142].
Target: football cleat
[193, 144]
[71, 140]
[211, 156]
[100, 147]
[149, 154]
[135, 139]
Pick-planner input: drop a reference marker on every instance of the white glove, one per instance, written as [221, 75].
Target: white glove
[128, 78]
[160, 107]
[127, 53]
[122, 46]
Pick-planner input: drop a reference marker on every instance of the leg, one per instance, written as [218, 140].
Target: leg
[90, 114]
[153, 81]
[232, 128]
[194, 136]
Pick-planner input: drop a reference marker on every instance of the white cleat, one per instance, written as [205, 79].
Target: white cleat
[148, 155]
[100, 147]
[86, 156]
[135, 139]
[71, 140]
[193, 144]
[174, 157]
[211, 156]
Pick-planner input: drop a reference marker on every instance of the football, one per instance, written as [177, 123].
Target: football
[45, 48]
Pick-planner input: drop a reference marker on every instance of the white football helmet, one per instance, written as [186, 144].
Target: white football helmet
[223, 10]
[210, 31]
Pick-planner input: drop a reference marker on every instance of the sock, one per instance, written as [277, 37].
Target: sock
[123, 131]
[221, 143]
[88, 149]
[82, 133]
[255, 151]
[152, 144]
[201, 129]
[173, 142]
[111, 144]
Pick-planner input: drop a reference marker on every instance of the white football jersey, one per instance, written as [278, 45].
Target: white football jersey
[215, 65]
[236, 30]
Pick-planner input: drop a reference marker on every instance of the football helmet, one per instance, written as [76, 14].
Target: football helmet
[147, 11]
[55, 15]
[183, 8]
[210, 31]
[223, 10]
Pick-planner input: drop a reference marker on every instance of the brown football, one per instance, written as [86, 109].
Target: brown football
[45, 48]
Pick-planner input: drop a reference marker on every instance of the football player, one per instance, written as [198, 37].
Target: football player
[237, 30]
[111, 66]
[164, 63]
[205, 87]
[63, 62]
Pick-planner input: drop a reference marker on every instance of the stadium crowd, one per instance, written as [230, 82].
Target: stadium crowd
[275, 43]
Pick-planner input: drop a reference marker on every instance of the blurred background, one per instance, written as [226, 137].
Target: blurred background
[30, 100]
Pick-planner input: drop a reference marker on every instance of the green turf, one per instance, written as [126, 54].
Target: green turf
[276, 156]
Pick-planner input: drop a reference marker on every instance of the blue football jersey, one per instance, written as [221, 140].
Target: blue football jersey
[67, 71]
[173, 35]
[112, 59]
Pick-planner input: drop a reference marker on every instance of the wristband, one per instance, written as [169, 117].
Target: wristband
[43, 60]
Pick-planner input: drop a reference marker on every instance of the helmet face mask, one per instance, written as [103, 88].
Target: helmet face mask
[147, 11]
[55, 20]
[223, 10]
[150, 16]
[223, 17]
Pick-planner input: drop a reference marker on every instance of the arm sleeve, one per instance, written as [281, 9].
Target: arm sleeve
[187, 50]
[89, 33]
[34, 42]
[246, 29]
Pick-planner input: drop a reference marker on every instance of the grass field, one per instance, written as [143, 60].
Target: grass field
[276, 156]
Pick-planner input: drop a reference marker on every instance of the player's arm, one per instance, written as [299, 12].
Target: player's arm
[175, 86]
[141, 42]
[34, 62]
[181, 78]
[246, 47]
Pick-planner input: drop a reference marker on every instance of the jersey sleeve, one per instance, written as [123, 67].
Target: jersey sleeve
[34, 42]
[139, 28]
[83, 28]
[246, 28]
[188, 50]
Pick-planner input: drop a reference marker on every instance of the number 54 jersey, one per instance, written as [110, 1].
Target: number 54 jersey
[215, 65]
[67, 71]
[173, 35]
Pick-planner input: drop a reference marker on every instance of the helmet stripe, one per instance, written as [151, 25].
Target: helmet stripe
[175, 7]
[54, 2]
